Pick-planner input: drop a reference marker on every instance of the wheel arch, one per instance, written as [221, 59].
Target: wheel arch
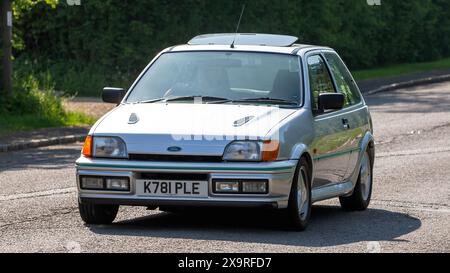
[302, 150]
[367, 144]
[371, 149]
[308, 158]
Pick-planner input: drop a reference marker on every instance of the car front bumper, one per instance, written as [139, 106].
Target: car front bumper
[279, 175]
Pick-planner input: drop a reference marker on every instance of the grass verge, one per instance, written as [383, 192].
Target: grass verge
[33, 106]
[401, 69]
[11, 123]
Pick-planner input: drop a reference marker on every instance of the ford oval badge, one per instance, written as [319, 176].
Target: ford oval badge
[174, 149]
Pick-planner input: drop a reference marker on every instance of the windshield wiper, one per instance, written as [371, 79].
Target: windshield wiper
[203, 98]
[184, 98]
[262, 99]
[218, 100]
[151, 101]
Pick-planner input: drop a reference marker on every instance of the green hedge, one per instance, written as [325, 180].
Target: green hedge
[106, 42]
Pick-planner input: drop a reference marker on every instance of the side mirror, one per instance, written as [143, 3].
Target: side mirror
[331, 101]
[113, 95]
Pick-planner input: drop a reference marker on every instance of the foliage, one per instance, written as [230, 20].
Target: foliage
[30, 108]
[107, 42]
[401, 69]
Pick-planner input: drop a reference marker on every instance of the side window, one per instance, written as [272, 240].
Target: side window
[319, 79]
[344, 82]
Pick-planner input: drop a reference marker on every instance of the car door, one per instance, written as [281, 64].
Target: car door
[330, 132]
[354, 112]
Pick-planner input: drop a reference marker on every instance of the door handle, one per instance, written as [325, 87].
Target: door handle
[345, 123]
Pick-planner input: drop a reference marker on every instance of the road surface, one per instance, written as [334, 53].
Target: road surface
[410, 211]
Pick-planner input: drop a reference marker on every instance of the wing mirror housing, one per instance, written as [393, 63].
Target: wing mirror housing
[113, 95]
[331, 101]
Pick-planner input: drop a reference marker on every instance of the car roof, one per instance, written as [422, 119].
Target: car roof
[252, 42]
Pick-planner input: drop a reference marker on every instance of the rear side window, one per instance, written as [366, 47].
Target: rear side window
[319, 79]
[343, 79]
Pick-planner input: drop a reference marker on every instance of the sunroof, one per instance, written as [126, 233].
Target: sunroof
[244, 39]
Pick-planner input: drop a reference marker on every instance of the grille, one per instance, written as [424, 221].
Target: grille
[175, 158]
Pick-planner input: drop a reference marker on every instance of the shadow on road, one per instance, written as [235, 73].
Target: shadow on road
[44, 158]
[433, 99]
[330, 226]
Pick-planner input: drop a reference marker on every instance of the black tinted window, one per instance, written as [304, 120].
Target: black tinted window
[319, 78]
[344, 82]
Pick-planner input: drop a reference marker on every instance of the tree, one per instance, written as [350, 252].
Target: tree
[6, 19]
[6, 30]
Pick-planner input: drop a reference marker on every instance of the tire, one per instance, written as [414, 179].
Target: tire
[97, 214]
[299, 208]
[362, 193]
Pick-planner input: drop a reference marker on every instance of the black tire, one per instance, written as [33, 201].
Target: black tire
[97, 214]
[359, 200]
[299, 221]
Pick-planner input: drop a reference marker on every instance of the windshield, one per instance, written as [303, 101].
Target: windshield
[228, 77]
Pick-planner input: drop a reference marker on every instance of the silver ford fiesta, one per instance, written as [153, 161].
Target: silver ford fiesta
[231, 120]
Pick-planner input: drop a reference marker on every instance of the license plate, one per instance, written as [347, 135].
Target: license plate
[163, 188]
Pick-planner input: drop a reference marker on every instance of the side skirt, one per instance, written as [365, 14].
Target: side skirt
[332, 191]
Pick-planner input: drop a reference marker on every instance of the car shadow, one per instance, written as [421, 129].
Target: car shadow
[330, 226]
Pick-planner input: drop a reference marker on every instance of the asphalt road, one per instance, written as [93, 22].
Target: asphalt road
[410, 211]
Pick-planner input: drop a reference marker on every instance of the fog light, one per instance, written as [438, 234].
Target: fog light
[227, 186]
[91, 183]
[254, 186]
[118, 184]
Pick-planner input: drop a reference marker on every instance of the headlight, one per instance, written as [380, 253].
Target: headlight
[252, 151]
[109, 147]
[243, 151]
